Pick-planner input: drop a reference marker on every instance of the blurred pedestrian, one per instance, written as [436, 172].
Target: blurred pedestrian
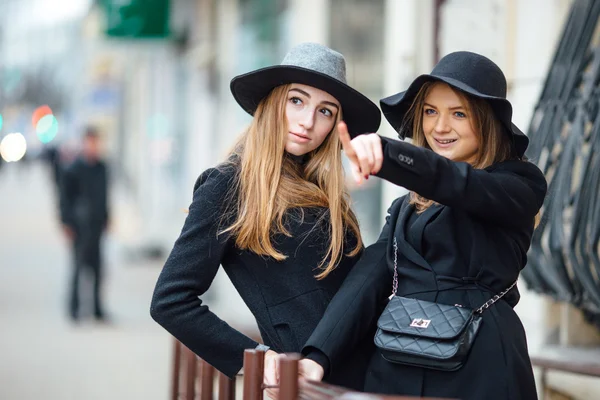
[455, 243]
[85, 217]
[275, 215]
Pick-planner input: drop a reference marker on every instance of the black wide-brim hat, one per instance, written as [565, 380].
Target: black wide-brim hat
[314, 65]
[468, 72]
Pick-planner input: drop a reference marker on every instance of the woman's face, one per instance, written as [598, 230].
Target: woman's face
[447, 125]
[311, 114]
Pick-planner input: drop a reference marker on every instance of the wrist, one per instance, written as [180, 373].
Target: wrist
[319, 358]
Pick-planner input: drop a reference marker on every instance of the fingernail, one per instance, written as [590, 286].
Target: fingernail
[366, 176]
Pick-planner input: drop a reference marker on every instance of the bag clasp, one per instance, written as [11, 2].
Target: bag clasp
[420, 323]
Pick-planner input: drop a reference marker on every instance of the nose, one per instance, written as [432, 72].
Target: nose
[307, 119]
[442, 125]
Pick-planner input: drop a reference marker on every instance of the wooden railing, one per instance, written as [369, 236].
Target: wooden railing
[193, 379]
[574, 360]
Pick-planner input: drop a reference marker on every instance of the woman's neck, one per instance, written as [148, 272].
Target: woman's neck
[297, 159]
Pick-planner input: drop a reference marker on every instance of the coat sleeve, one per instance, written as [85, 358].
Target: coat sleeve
[509, 193]
[354, 309]
[189, 272]
[106, 190]
[68, 191]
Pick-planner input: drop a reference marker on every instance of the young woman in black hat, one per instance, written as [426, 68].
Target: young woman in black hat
[458, 239]
[275, 215]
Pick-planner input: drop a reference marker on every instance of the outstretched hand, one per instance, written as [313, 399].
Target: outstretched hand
[364, 152]
[271, 373]
[309, 369]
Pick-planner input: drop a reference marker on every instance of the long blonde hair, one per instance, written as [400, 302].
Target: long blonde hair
[494, 146]
[269, 184]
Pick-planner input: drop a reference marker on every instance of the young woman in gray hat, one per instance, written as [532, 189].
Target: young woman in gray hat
[275, 215]
[456, 242]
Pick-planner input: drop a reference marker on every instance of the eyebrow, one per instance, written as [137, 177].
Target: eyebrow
[308, 95]
[451, 108]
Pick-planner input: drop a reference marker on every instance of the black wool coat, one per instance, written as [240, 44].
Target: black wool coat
[285, 297]
[463, 250]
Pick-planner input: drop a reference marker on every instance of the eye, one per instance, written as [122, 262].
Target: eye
[327, 112]
[429, 111]
[295, 100]
[460, 114]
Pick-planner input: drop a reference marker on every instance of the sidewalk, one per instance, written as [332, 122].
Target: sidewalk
[45, 356]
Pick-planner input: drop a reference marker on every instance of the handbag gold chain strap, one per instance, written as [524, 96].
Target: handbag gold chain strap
[481, 309]
[395, 283]
[494, 299]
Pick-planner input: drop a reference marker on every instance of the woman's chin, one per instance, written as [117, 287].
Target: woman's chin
[296, 150]
[449, 154]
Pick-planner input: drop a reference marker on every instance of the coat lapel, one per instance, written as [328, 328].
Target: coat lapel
[416, 233]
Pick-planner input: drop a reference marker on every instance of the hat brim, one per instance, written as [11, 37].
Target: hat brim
[396, 106]
[360, 114]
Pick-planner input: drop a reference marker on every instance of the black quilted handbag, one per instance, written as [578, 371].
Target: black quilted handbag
[427, 334]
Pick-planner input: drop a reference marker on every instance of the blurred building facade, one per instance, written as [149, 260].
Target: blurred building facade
[36, 38]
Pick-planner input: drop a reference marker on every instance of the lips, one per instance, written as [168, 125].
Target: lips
[300, 137]
[446, 141]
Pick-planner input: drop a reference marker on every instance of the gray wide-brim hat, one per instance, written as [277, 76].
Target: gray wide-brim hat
[314, 65]
[468, 72]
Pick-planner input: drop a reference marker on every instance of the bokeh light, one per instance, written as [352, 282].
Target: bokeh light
[39, 113]
[47, 128]
[13, 147]
[1, 121]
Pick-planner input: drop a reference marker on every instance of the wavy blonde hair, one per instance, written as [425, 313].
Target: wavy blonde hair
[494, 146]
[269, 184]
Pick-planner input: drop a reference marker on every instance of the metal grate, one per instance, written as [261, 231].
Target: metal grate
[565, 143]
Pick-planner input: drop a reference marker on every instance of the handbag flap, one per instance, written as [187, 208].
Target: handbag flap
[423, 318]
